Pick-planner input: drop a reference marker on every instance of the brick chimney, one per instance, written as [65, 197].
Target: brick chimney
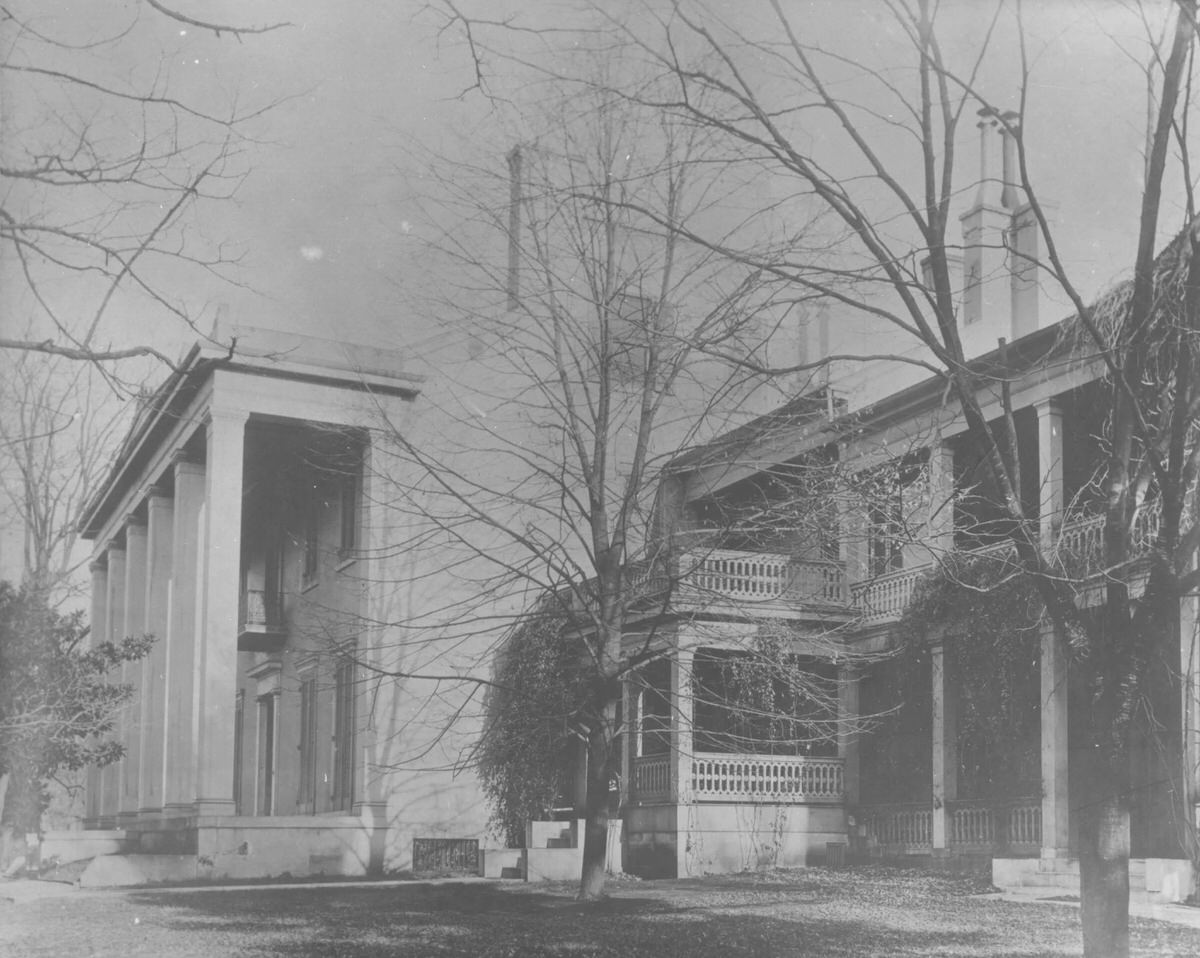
[1000, 244]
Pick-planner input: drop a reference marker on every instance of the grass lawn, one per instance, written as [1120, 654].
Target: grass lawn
[815, 912]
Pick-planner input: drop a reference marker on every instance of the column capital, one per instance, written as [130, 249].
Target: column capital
[186, 465]
[135, 524]
[99, 564]
[1051, 405]
[116, 545]
[157, 494]
[225, 415]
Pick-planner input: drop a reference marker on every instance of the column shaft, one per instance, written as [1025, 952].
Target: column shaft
[682, 718]
[98, 631]
[110, 778]
[1050, 472]
[848, 739]
[159, 529]
[131, 672]
[1056, 831]
[217, 691]
[945, 749]
[179, 743]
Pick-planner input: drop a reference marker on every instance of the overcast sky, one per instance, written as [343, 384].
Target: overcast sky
[325, 220]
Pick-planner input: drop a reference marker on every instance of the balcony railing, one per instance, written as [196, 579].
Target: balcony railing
[777, 779]
[757, 580]
[261, 626]
[1080, 546]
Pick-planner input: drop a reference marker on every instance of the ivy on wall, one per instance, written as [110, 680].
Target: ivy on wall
[527, 751]
[986, 616]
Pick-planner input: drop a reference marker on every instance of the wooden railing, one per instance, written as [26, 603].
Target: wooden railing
[652, 779]
[767, 778]
[1080, 544]
[898, 827]
[884, 599]
[977, 825]
[261, 611]
[759, 577]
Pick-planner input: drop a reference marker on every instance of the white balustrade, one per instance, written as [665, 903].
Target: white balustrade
[885, 598]
[1025, 824]
[260, 610]
[758, 576]
[899, 826]
[767, 778]
[972, 825]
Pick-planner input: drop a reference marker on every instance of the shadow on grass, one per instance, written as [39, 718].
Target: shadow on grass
[655, 919]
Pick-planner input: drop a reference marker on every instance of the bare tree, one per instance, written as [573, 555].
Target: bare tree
[794, 104]
[100, 171]
[576, 360]
[58, 427]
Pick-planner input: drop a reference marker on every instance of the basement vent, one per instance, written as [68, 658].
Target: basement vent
[445, 857]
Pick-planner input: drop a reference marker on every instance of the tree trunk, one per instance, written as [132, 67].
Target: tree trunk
[1104, 860]
[595, 831]
[1104, 826]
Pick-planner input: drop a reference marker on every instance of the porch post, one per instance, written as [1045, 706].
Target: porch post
[940, 519]
[179, 742]
[131, 672]
[681, 751]
[1050, 472]
[627, 742]
[98, 627]
[160, 512]
[110, 775]
[847, 734]
[945, 751]
[217, 642]
[1189, 649]
[1055, 815]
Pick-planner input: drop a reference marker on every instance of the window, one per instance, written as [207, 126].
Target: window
[654, 709]
[343, 735]
[239, 729]
[883, 537]
[266, 755]
[306, 797]
[312, 523]
[349, 495]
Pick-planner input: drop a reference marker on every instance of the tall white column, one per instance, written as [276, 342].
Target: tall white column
[627, 742]
[1050, 471]
[940, 519]
[110, 778]
[160, 512]
[131, 672]
[682, 751]
[848, 738]
[1056, 831]
[377, 565]
[179, 746]
[1189, 669]
[98, 632]
[945, 749]
[216, 694]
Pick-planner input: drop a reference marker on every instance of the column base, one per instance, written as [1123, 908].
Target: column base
[1056, 853]
[214, 806]
[154, 812]
[125, 819]
[178, 810]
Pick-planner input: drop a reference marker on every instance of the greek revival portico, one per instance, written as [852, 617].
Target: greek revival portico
[169, 561]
